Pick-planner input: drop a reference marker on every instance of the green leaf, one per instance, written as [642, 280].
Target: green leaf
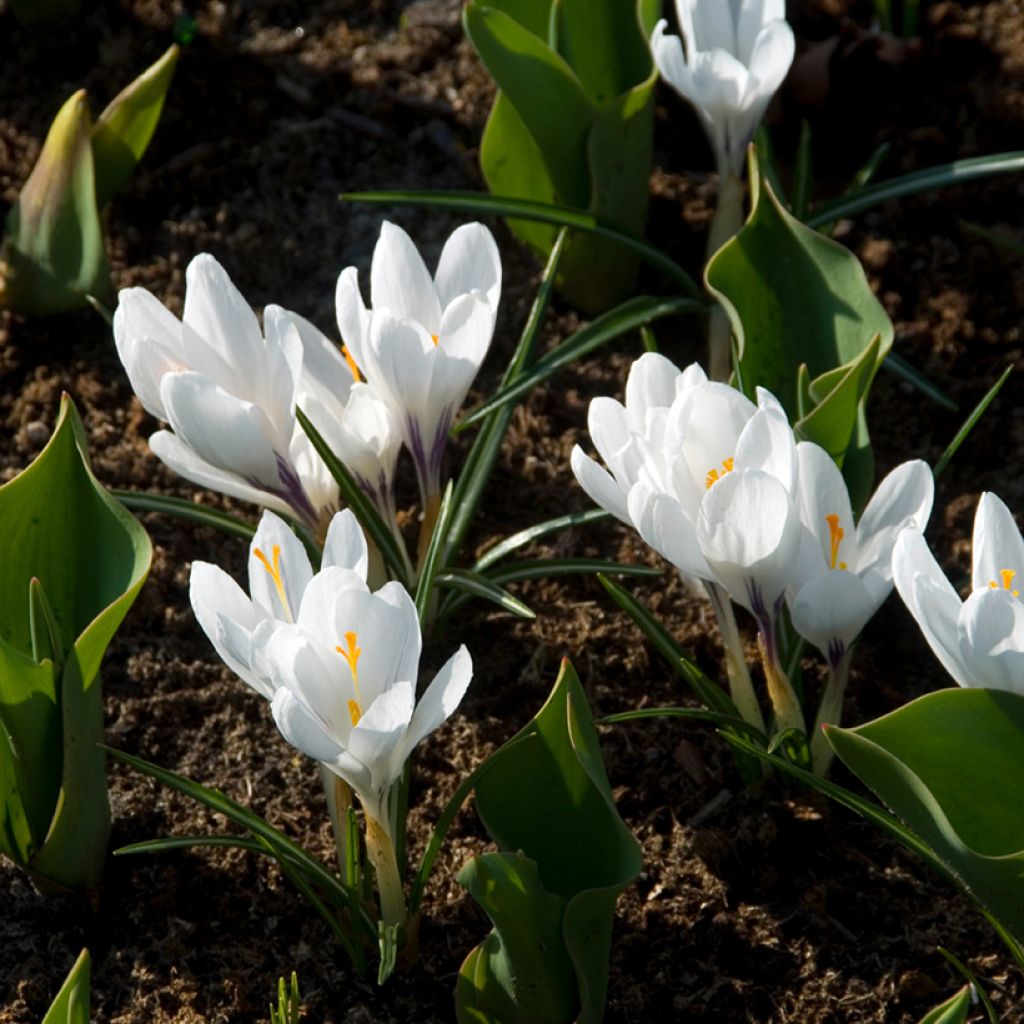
[943, 763]
[797, 296]
[899, 367]
[959, 172]
[72, 1003]
[544, 91]
[803, 175]
[955, 1010]
[630, 315]
[972, 981]
[696, 714]
[53, 256]
[474, 584]
[544, 798]
[74, 561]
[182, 508]
[535, 532]
[425, 584]
[122, 132]
[964, 432]
[479, 204]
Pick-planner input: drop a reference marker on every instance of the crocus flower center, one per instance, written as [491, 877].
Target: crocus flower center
[350, 652]
[435, 339]
[356, 376]
[273, 566]
[836, 534]
[1006, 575]
[715, 474]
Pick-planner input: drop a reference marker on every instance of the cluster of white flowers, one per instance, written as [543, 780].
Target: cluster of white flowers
[721, 488]
[229, 390]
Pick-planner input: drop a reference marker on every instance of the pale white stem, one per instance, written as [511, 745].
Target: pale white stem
[380, 848]
[788, 713]
[830, 712]
[726, 223]
[339, 800]
[741, 688]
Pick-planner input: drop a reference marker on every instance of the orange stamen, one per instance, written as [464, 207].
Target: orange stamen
[836, 535]
[1006, 575]
[356, 376]
[714, 475]
[274, 568]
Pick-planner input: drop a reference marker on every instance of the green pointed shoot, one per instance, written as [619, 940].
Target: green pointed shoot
[52, 258]
[572, 124]
[72, 1003]
[947, 764]
[795, 297]
[289, 1002]
[74, 561]
[52, 255]
[564, 856]
[955, 1010]
[122, 132]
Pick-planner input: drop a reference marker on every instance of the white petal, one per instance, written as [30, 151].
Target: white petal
[706, 423]
[462, 343]
[186, 463]
[441, 698]
[148, 340]
[904, 498]
[469, 262]
[599, 485]
[823, 494]
[767, 442]
[749, 22]
[301, 727]
[770, 59]
[377, 739]
[713, 25]
[345, 545]
[997, 544]
[831, 610]
[280, 573]
[353, 317]
[664, 525]
[931, 600]
[402, 354]
[216, 311]
[991, 632]
[651, 384]
[400, 282]
[671, 61]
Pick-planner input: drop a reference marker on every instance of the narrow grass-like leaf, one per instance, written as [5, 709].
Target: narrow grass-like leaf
[969, 424]
[697, 714]
[425, 584]
[545, 213]
[1015, 248]
[368, 516]
[633, 313]
[182, 508]
[959, 172]
[969, 976]
[482, 456]
[474, 584]
[803, 176]
[899, 367]
[532, 533]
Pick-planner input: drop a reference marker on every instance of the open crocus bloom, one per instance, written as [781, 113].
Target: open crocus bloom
[854, 564]
[279, 573]
[226, 389]
[980, 641]
[345, 683]
[737, 54]
[422, 342]
[633, 435]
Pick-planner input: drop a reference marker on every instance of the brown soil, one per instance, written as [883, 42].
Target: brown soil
[769, 907]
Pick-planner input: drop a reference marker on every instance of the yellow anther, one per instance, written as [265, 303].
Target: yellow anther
[434, 338]
[1006, 575]
[354, 713]
[714, 475]
[273, 566]
[836, 535]
[356, 376]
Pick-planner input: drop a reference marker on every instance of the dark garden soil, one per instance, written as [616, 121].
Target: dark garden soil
[752, 907]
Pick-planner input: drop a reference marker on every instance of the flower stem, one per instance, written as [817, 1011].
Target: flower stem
[381, 851]
[788, 713]
[830, 712]
[431, 509]
[741, 689]
[339, 800]
[726, 223]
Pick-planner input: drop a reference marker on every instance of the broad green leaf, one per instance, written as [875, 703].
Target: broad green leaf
[954, 1010]
[545, 796]
[946, 764]
[74, 556]
[52, 255]
[72, 1003]
[545, 92]
[122, 132]
[481, 204]
[793, 296]
[521, 973]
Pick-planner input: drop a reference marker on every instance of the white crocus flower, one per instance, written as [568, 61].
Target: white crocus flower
[279, 573]
[345, 694]
[980, 641]
[855, 565]
[423, 340]
[226, 389]
[736, 56]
